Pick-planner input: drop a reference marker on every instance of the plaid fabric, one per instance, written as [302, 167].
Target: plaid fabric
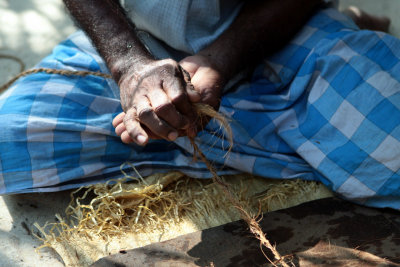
[57, 131]
[326, 107]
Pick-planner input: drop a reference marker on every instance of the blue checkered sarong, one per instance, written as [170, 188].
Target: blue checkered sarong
[326, 107]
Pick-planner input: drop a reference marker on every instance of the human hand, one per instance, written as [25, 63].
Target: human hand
[207, 80]
[208, 83]
[156, 102]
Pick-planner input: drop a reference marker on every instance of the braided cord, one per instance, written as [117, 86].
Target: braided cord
[54, 71]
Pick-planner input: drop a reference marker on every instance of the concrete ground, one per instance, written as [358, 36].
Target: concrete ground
[29, 29]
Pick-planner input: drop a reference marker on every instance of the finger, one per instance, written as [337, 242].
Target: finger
[150, 133]
[179, 98]
[120, 129]
[185, 73]
[166, 110]
[148, 117]
[193, 95]
[134, 129]
[189, 68]
[125, 138]
[118, 119]
[209, 89]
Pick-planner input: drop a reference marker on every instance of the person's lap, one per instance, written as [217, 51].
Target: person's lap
[323, 108]
[57, 131]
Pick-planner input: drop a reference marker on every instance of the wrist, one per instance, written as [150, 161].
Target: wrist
[221, 61]
[216, 62]
[121, 67]
[132, 70]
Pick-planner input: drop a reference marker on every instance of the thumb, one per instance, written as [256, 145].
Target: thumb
[193, 95]
[189, 65]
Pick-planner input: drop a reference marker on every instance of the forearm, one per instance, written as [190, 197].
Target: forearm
[261, 28]
[112, 34]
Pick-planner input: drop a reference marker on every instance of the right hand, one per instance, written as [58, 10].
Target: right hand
[156, 102]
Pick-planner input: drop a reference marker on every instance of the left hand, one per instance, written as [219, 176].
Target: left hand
[207, 81]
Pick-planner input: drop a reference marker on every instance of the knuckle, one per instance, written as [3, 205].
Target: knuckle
[144, 82]
[130, 114]
[180, 98]
[163, 108]
[170, 67]
[144, 114]
[171, 116]
[148, 83]
[170, 62]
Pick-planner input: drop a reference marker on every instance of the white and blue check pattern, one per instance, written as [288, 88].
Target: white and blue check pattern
[184, 25]
[326, 108]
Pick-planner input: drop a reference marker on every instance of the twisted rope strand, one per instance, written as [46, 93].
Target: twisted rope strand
[81, 73]
[17, 59]
[252, 222]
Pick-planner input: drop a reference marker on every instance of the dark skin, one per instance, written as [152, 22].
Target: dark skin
[155, 96]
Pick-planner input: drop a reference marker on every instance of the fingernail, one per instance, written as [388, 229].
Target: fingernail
[172, 136]
[141, 139]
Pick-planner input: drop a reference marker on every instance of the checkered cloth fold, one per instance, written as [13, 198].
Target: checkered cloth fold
[326, 108]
